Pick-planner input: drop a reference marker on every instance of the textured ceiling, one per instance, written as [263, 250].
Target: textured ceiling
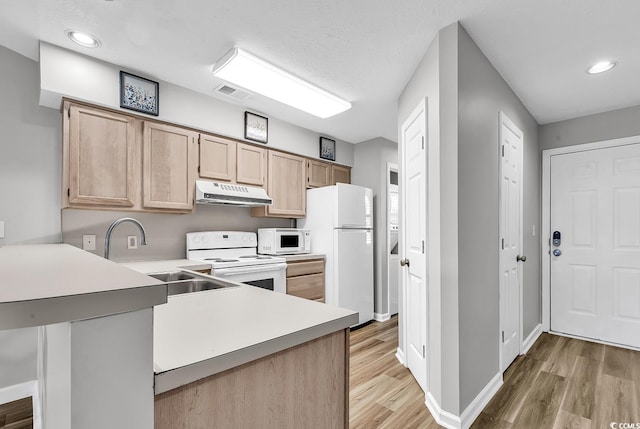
[362, 50]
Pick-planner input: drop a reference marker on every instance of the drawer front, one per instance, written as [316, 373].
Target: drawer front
[306, 267]
[309, 287]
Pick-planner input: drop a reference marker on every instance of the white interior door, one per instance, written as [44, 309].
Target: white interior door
[413, 245]
[511, 141]
[595, 267]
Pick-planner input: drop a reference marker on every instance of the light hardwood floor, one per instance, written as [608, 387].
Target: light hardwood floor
[560, 383]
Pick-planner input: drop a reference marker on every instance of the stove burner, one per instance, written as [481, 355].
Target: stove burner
[220, 260]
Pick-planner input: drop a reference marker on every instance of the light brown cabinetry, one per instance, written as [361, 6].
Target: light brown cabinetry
[170, 159]
[217, 158]
[286, 185]
[252, 165]
[306, 386]
[340, 174]
[100, 162]
[318, 173]
[306, 279]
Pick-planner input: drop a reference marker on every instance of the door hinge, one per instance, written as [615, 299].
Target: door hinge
[503, 336]
[198, 169]
[424, 351]
[423, 246]
[422, 142]
[503, 151]
[503, 244]
[69, 112]
[68, 192]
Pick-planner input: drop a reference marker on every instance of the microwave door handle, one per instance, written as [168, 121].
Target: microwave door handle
[243, 270]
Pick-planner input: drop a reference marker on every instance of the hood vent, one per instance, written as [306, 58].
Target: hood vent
[208, 192]
[231, 91]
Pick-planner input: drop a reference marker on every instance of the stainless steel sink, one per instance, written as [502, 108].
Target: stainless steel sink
[179, 282]
[195, 285]
[173, 276]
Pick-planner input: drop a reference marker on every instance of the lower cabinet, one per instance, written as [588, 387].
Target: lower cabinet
[305, 279]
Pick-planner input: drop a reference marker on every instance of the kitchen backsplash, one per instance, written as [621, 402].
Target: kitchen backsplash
[165, 232]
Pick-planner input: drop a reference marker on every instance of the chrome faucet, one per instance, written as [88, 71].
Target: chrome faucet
[107, 238]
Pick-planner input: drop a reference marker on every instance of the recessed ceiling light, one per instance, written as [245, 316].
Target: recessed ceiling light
[252, 73]
[601, 67]
[83, 39]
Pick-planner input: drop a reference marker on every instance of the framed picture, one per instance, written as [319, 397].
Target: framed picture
[256, 127]
[139, 94]
[327, 149]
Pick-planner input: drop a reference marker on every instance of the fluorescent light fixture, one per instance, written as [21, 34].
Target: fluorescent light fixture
[83, 39]
[601, 67]
[252, 73]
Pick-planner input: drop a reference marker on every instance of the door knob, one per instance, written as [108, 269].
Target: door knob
[557, 252]
[404, 262]
[521, 258]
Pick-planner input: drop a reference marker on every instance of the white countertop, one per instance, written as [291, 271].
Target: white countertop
[52, 283]
[200, 334]
[304, 257]
[165, 265]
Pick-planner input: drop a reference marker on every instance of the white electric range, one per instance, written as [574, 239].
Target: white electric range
[233, 256]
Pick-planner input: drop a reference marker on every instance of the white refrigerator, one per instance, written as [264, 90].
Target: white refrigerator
[340, 219]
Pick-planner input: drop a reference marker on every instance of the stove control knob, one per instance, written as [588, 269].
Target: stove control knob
[205, 238]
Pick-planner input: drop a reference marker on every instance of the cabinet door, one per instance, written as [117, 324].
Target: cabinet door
[340, 174]
[169, 164]
[217, 158]
[102, 158]
[318, 174]
[286, 177]
[251, 165]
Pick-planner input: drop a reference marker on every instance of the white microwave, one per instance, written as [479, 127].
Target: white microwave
[283, 241]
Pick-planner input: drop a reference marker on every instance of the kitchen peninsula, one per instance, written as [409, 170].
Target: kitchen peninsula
[245, 357]
[112, 340]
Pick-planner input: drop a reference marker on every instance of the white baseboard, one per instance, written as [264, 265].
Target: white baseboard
[381, 317]
[471, 413]
[21, 391]
[443, 418]
[531, 339]
[400, 357]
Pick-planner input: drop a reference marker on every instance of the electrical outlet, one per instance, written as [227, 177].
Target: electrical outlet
[132, 241]
[89, 242]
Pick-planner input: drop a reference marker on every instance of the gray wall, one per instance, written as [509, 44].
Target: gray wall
[425, 82]
[370, 170]
[592, 128]
[465, 95]
[482, 95]
[30, 158]
[31, 153]
[165, 232]
[67, 73]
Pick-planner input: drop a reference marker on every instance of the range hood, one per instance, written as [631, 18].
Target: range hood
[208, 192]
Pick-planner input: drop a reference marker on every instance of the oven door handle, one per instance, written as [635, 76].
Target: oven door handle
[245, 270]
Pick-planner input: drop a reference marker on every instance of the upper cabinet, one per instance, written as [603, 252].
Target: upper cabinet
[229, 161]
[170, 159]
[318, 173]
[286, 185]
[100, 162]
[119, 161]
[340, 174]
[252, 165]
[217, 158]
